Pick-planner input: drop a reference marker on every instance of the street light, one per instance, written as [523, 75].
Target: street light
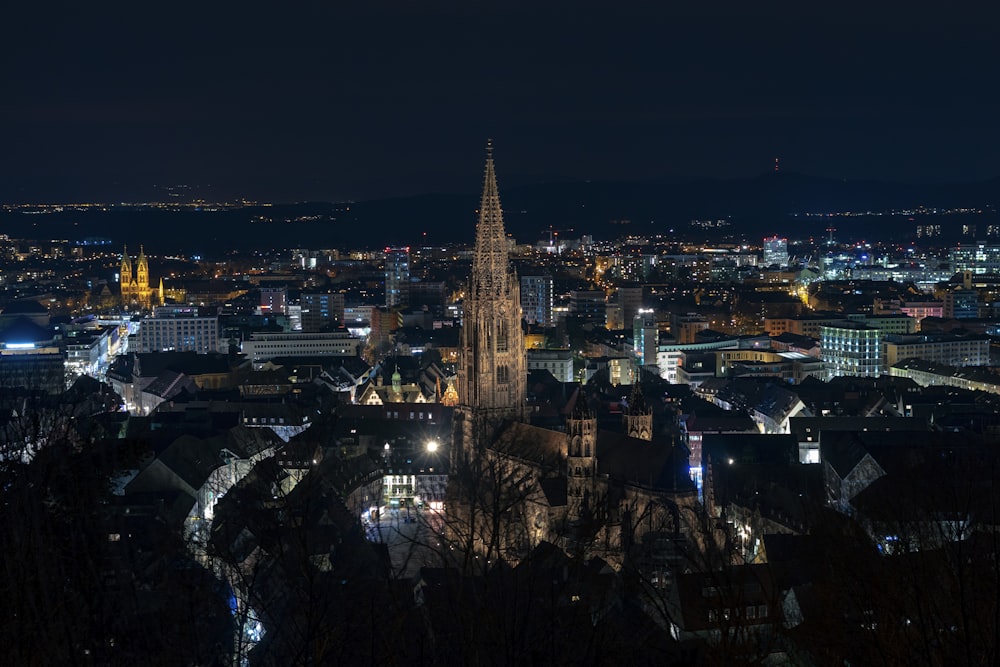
[432, 446]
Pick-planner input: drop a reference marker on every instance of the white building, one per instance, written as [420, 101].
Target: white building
[941, 349]
[264, 346]
[557, 362]
[179, 328]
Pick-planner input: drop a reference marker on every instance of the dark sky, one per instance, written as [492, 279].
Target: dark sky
[339, 99]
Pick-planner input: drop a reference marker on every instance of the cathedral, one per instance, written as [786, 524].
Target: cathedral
[493, 366]
[514, 485]
[135, 290]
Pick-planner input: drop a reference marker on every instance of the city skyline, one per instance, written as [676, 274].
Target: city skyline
[363, 103]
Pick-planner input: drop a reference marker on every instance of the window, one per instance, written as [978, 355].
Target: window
[503, 375]
[751, 612]
[501, 337]
[713, 616]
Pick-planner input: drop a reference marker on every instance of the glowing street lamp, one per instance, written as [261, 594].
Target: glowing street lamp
[432, 446]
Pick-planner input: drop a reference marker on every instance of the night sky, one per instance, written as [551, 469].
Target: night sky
[336, 100]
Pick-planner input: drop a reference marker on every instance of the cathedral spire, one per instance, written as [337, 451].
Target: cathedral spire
[492, 373]
[490, 264]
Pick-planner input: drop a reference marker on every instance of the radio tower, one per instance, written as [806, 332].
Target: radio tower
[776, 166]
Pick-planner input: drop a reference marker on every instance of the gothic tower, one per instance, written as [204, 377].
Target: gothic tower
[142, 273]
[492, 370]
[638, 415]
[581, 461]
[135, 286]
[125, 276]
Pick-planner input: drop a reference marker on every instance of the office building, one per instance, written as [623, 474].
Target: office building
[397, 277]
[321, 310]
[775, 251]
[273, 300]
[536, 300]
[588, 306]
[264, 346]
[179, 328]
[977, 258]
[557, 362]
[944, 349]
[851, 349]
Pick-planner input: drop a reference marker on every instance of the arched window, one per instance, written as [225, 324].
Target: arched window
[501, 336]
[503, 375]
[586, 449]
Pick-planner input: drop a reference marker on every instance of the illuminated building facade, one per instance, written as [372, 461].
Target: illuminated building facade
[492, 371]
[135, 290]
[397, 277]
[536, 300]
[851, 349]
[775, 251]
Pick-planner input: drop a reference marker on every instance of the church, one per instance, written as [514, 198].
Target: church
[135, 290]
[514, 485]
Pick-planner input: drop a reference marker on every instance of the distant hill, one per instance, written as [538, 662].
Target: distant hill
[754, 206]
[761, 205]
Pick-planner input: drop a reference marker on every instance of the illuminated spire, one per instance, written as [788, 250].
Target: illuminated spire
[142, 271]
[490, 264]
[125, 274]
[492, 366]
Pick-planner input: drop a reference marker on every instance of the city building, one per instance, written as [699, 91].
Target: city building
[264, 346]
[557, 362]
[851, 349]
[273, 300]
[588, 306]
[180, 329]
[629, 300]
[961, 304]
[30, 358]
[918, 310]
[536, 300]
[775, 251]
[977, 258]
[322, 310]
[397, 277]
[686, 327]
[645, 339]
[947, 349]
[928, 373]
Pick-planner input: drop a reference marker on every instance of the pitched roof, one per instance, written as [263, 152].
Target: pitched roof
[653, 464]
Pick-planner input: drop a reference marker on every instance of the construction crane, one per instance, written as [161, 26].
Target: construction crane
[554, 236]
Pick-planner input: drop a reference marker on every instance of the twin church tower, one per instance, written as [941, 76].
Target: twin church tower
[135, 289]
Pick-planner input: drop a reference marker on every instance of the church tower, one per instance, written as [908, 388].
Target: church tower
[135, 286]
[581, 461]
[125, 276]
[492, 369]
[142, 274]
[638, 415]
